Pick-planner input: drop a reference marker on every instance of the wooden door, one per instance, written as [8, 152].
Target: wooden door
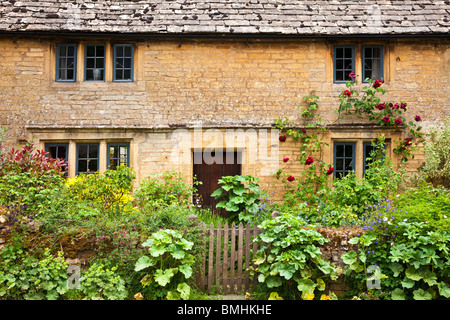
[209, 174]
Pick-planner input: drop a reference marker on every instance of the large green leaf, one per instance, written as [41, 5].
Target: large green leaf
[186, 270]
[421, 294]
[157, 250]
[273, 281]
[408, 283]
[444, 289]
[397, 268]
[217, 193]
[430, 278]
[306, 285]
[143, 263]
[185, 290]
[240, 190]
[413, 273]
[163, 277]
[398, 294]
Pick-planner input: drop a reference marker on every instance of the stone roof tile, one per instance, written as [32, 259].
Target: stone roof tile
[308, 17]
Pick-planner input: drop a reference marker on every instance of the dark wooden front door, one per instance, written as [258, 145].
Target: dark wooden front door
[209, 174]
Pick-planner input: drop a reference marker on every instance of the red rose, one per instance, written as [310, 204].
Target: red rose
[377, 83]
[330, 170]
[347, 93]
[381, 106]
[285, 159]
[282, 138]
[418, 118]
[398, 121]
[290, 178]
[309, 160]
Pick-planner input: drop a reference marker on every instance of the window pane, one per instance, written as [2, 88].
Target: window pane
[340, 151]
[90, 51]
[93, 151]
[93, 165]
[339, 53]
[61, 152]
[127, 51]
[348, 151]
[348, 164]
[123, 151]
[52, 152]
[127, 62]
[89, 74]
[82, 151]
[100, 51]
[127, 75]
[99, 63]
[90, 63]
[119, 74]
[372, 64]
[82, 165]
[113, 152]
[339, 164]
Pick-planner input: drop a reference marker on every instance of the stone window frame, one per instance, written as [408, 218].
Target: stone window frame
[88, 158]
[47, 147]
[58, 58]
[108, 153]
[388, 52]
[359, 156]
[363, 61]
[344, 157]
[95, 57]
[343, 69]
[114, 62]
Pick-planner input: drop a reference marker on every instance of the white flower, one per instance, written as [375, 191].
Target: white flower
[405, 220]
[445, 217]
[385, 219]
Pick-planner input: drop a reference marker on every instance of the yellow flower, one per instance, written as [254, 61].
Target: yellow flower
[139, 296]
[308, 296]
[325, 297]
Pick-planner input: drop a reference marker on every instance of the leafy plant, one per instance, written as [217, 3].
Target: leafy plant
[364, 101]
[106, 191]
[289, 258]
[30, 179]
[413, 259]
[437, 155]
[164, 189]
[239, 195]
[100, 283]
[23, 276]
[168, 266]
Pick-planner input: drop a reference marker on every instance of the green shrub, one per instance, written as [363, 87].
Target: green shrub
[425, 203]
[105, 191]
[101, 283]
[30, 179]
[289, 259]
[23, 276]
[239, 195]
[168, 265]
[164, 189]
[413, 259]
[437, 155]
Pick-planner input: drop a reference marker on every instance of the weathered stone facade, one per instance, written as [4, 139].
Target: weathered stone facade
[237, 80]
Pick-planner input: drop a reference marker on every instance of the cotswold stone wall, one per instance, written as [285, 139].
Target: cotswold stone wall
[213, 83]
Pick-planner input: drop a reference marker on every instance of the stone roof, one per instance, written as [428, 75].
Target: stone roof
[258, 17]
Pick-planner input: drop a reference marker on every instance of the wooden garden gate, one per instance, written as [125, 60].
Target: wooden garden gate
[229, 252]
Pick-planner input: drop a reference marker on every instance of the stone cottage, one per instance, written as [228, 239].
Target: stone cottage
[194, 86]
